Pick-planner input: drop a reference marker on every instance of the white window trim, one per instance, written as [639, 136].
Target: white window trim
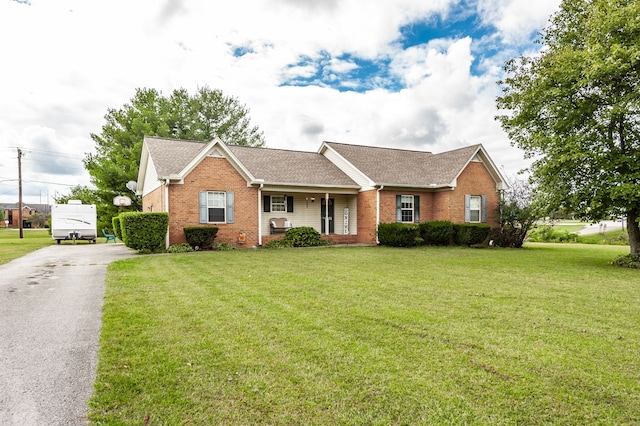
[412, 209]
[279, 207]
[478, 199]
[224, 206]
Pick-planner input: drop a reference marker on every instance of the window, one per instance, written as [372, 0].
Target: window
[407, 208]
[475, 208]
[216, 207]
[278, 203]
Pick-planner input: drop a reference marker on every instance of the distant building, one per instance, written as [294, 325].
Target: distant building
[11, 215]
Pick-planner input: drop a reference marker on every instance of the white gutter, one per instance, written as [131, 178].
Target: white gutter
[166, 209]
[260, 214]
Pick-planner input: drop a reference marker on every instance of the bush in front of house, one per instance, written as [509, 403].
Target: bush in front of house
[305, 236]
[507, 237]
[180, 248]
[279, 243]
[222, 247]
[436, 232]
[397, 234]
[117, 227]
[145, 232]
[200, 237]
[467, 234]
[302, 236]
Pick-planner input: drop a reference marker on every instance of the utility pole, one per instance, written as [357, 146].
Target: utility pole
[20, 191]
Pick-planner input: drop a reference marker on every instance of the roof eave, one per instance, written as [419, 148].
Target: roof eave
[311, 185]
[404, 185]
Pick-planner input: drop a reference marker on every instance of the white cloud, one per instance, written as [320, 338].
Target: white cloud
[66, 62]
[518, 20]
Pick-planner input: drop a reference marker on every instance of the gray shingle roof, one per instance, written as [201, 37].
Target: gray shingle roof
[404, 167]
[387, 166]
[291, 167]
[170, 156]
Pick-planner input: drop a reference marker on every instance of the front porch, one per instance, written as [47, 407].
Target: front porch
[332, 215]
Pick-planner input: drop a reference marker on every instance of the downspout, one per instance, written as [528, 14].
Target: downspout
[166, 209]
[260, 214]
[378, 211]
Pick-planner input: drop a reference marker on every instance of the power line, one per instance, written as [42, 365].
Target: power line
[45, 182]
[52, 152]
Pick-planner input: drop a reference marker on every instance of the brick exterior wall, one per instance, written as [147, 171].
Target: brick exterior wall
[217, 174]
[367, 228]
[447, 205]
[474, 180]
[214, 174]
[154, 201]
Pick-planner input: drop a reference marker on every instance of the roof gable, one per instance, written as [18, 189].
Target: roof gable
[171, 156]
[390, 166]
[277, 166]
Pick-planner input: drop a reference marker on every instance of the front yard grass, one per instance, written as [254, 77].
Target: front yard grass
[12, 246]
[371, 335]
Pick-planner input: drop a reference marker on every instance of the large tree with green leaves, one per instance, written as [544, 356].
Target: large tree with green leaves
[201, 117]
[575, 110]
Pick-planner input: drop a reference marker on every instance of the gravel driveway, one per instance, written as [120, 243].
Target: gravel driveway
[50, 319]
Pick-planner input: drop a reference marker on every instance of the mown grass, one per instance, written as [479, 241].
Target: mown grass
[370, 335]
[12, 246]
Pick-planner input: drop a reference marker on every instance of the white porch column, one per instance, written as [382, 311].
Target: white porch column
[326, 213]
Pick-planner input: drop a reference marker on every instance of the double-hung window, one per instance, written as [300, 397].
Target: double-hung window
[475, 208]
[407, 208]
[216, 207]
[278, 203]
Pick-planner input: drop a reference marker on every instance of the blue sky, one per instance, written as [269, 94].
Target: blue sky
[363, 74]
[414, 74]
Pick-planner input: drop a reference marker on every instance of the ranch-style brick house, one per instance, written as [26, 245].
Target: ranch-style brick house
[344, 191]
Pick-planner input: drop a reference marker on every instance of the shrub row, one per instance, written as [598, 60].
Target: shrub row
[145, 232]
[432, 233]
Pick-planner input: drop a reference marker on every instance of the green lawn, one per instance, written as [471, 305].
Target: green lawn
[370, 335]
[12, 246]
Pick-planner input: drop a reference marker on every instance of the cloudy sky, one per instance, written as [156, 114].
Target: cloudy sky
[414, 74]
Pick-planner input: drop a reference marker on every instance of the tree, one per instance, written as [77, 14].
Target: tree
[201, 117]
[78, 192]
[37, 219]
[518, 215]
[575, 110]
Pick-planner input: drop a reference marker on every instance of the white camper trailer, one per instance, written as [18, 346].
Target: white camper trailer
[73, 221]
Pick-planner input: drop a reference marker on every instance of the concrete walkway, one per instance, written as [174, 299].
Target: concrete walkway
[604, 226]
[50, 319]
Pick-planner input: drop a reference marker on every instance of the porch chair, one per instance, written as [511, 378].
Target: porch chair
[280, 225]
[108, 236]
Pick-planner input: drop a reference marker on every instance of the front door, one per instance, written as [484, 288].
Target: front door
[323, 214]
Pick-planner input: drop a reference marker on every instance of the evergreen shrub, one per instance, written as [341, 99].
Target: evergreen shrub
[200, 237]
[397, 234]
[144, 231]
